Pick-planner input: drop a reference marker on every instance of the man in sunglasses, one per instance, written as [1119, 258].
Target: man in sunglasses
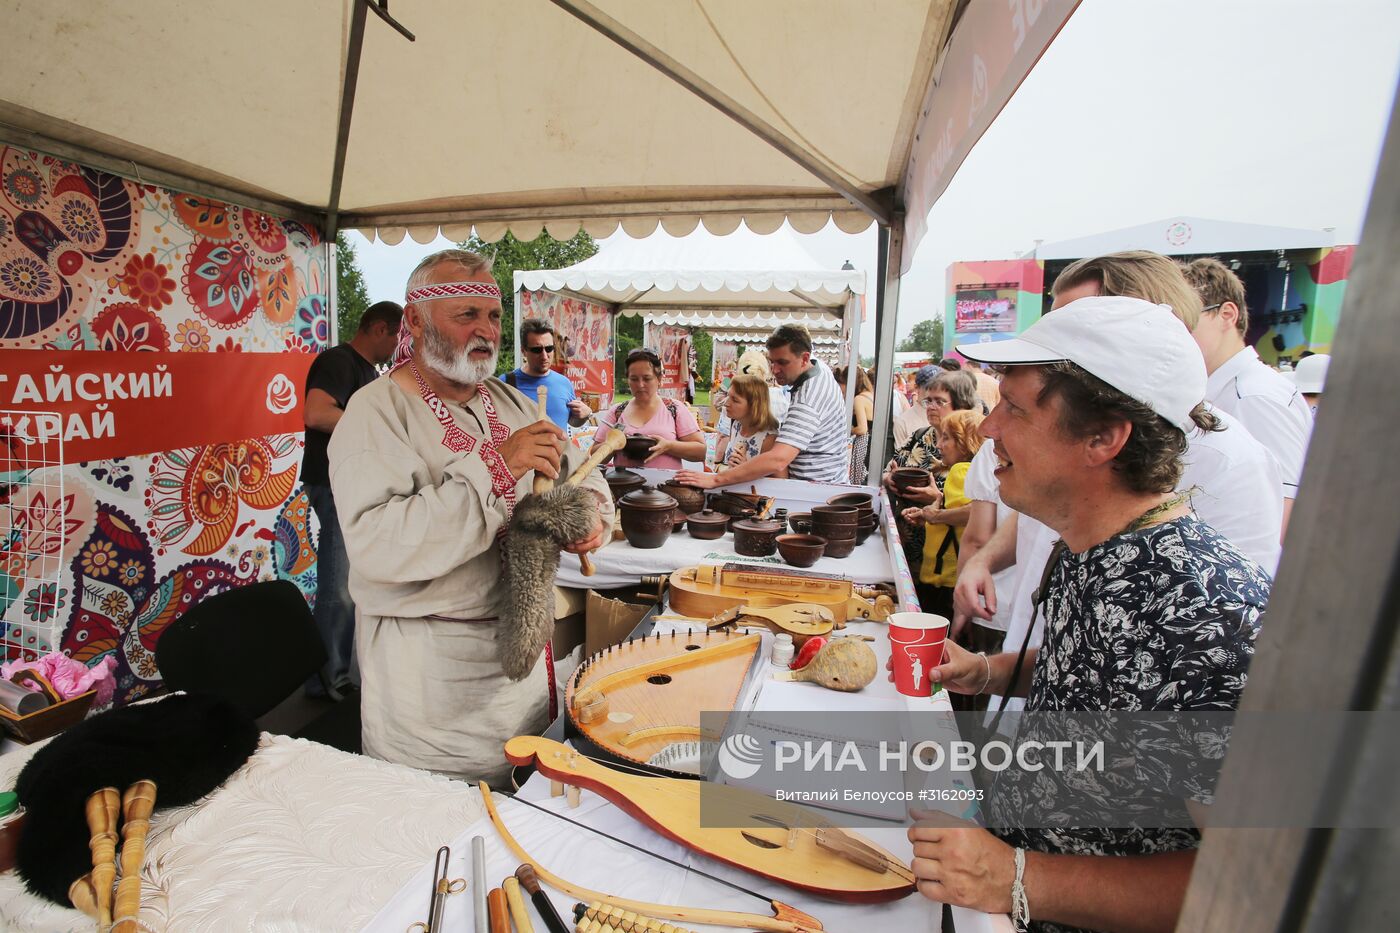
[537, 343]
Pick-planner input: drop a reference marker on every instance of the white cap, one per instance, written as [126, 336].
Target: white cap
[1311, 373]
[1139, 348]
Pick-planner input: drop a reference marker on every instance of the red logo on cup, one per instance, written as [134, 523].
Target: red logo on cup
[916, 648]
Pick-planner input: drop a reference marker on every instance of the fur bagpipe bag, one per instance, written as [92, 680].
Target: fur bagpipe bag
[187, 744]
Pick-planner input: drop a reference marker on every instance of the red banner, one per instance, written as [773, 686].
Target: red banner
[112, 404]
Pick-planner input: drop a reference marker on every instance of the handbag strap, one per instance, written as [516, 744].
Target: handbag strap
[1038, 597]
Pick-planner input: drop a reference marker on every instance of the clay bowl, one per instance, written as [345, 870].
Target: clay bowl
[707, 525]
[801, 550]
[621, 482]
[840, 548]
[734, 503]
[690, 498]
[638, 447]
[833, 515]
[756, 537]
[648, 517]
[907, 478]
[864, 530]
[860, 501]
[800, 522]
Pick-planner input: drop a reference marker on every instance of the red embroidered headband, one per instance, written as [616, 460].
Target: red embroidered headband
[453, 290]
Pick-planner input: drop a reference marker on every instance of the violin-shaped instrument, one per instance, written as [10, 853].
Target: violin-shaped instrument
[705, 591]
[781, 841]
[640, 701]
[800, 620]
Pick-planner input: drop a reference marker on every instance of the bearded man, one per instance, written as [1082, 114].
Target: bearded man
[426, 466]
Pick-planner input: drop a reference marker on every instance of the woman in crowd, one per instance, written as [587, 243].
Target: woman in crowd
[946, 392]
[670, 422]
[752, 425]
[959, 439]
[862, 413]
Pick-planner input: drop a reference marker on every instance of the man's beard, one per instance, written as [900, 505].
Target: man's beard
[457, 365]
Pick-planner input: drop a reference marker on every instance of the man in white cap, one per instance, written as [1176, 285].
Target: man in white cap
[1267, 402]
[1145, 607]
[1310, 375]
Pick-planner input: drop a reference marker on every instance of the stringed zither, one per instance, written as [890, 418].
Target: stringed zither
[640, 701]
[705, 591]
[782, 841]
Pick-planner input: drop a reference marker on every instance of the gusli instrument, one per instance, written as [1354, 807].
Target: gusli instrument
[640, 701]
[782, 841]
[705, 591]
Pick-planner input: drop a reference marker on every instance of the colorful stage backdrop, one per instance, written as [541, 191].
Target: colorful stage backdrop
[169, 335]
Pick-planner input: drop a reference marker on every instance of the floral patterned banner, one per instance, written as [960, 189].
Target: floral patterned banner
[93, 262]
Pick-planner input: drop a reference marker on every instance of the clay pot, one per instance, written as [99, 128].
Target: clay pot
[707, 525]
[864, 529]
[907, 478]
[689, 498]
[840, 548]
[647, 517]
[678, 519]
[638, 446]
[739, 517]
[801, 550]
[621, 482]
[834, 515]
[756, 537]
[800, 522]
[734, 503]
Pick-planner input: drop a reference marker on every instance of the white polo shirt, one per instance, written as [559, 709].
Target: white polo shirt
[1236, 482]
[1270, 407]
[981, 486]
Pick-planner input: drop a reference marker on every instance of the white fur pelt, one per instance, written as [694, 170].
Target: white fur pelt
[541, 525]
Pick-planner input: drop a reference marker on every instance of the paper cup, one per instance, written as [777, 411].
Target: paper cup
[916, 648]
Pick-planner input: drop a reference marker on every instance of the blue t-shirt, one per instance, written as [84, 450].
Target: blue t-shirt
[561, 392]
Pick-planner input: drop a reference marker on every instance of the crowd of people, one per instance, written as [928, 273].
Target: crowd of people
[1101, 523]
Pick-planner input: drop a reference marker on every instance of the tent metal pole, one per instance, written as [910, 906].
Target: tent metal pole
[672, 68]
[347, 106]
[890, 251]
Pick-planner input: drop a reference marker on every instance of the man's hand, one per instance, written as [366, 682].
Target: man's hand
[579, 410]
[702, 480]
[955, 863]
[914, 515]
[533, 447]
[592, 542]
[974, 586]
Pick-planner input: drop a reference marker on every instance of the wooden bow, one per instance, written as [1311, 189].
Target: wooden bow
[785, 919]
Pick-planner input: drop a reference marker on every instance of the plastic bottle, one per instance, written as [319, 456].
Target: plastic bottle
[782, 651]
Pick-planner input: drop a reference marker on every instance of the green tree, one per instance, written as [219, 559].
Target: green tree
[628, 333]
[926, 336]
[704, 356]
[543, 252]
[351, 296]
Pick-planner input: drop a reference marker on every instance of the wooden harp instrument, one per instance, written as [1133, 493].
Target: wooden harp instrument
[783, 841]
[705, 591]
[639, 702]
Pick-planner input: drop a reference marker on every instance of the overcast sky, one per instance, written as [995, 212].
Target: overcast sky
[1254, 111]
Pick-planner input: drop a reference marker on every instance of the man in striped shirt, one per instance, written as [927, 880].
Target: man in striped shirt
[811, 442]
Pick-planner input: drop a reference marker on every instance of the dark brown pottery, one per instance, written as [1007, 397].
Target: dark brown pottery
[707, 525]
[840, 548]
[800, 522]
[690, 498]
[638, 446]
[621, 482]
[678, 519]
[756, 537]
[735, 519]
[733, 503]
[801, 550]
[834, 515]
[647, 517]
[860, 501]
[907, 478]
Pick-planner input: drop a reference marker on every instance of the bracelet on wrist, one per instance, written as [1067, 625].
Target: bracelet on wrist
[988, 678]
[1020, 907]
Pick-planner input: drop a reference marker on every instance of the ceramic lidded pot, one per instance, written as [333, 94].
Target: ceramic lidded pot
[621, 482]
[737, 517]
[756, 537]
[647, 517]
[707, 525]
[689, 498]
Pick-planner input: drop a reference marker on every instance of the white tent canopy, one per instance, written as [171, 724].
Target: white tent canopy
[1187, 236]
